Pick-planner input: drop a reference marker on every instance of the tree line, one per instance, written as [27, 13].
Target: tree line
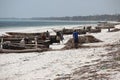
[106, 17]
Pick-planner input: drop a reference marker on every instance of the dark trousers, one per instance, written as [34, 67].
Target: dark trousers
[76, 43]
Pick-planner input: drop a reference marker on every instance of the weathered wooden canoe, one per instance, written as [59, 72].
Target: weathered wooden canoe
[23, 51]
[23, 35]
[70, 31]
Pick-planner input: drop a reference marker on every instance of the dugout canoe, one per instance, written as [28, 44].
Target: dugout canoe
[23, 51]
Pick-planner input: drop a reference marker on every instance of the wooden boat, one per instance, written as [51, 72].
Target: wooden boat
[23, 51]
[22, 35]
[12, 43]
[70, 31]
[33, 42]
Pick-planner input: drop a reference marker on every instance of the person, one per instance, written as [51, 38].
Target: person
[22, 42]
[76, 39]
[36, 42]
[58, 37]
[61, 36]
[84, 28]
[47, 35]
[43, 36]
[1, 45]
[26, 40]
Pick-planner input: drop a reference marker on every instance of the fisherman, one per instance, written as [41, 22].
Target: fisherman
[61, 36]
[36, 42]
[47, 35]
[26, 40]
[58, 39]
[58, 36]
[75, 37]
[22, 42]
[1, 45]
[84, 28]
[43, 36]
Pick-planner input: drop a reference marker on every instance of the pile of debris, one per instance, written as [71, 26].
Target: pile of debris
[82, 39]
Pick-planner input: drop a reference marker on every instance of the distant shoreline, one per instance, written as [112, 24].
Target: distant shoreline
[104, 17]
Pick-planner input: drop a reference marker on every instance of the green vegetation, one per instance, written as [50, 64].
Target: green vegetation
[106, 17]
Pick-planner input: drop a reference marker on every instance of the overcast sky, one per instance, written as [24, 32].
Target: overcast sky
[57, 8]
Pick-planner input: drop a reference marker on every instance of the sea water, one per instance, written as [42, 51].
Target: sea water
[27, 25]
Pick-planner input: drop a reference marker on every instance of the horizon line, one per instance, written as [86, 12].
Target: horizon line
[56, 16]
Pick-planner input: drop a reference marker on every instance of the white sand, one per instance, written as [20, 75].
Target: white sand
[51, 64]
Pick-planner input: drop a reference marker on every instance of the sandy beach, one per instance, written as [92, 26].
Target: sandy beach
[99, 61]
[59, 40]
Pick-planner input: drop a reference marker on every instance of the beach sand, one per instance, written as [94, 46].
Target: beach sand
[100, 61]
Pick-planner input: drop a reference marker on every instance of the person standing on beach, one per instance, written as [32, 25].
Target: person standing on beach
[22, 42]
[76, 39]
[36, 42]
[58, 37]
[61, 36]
[47, 35]
[26, 40]
[43, 36]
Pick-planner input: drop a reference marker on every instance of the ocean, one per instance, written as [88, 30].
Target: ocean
[25, 25]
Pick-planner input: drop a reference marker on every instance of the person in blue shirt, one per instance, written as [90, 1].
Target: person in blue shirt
[76, 39]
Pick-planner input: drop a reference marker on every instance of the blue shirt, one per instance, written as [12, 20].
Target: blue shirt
[75, 35]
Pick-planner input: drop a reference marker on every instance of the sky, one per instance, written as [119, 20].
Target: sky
[57, 8]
